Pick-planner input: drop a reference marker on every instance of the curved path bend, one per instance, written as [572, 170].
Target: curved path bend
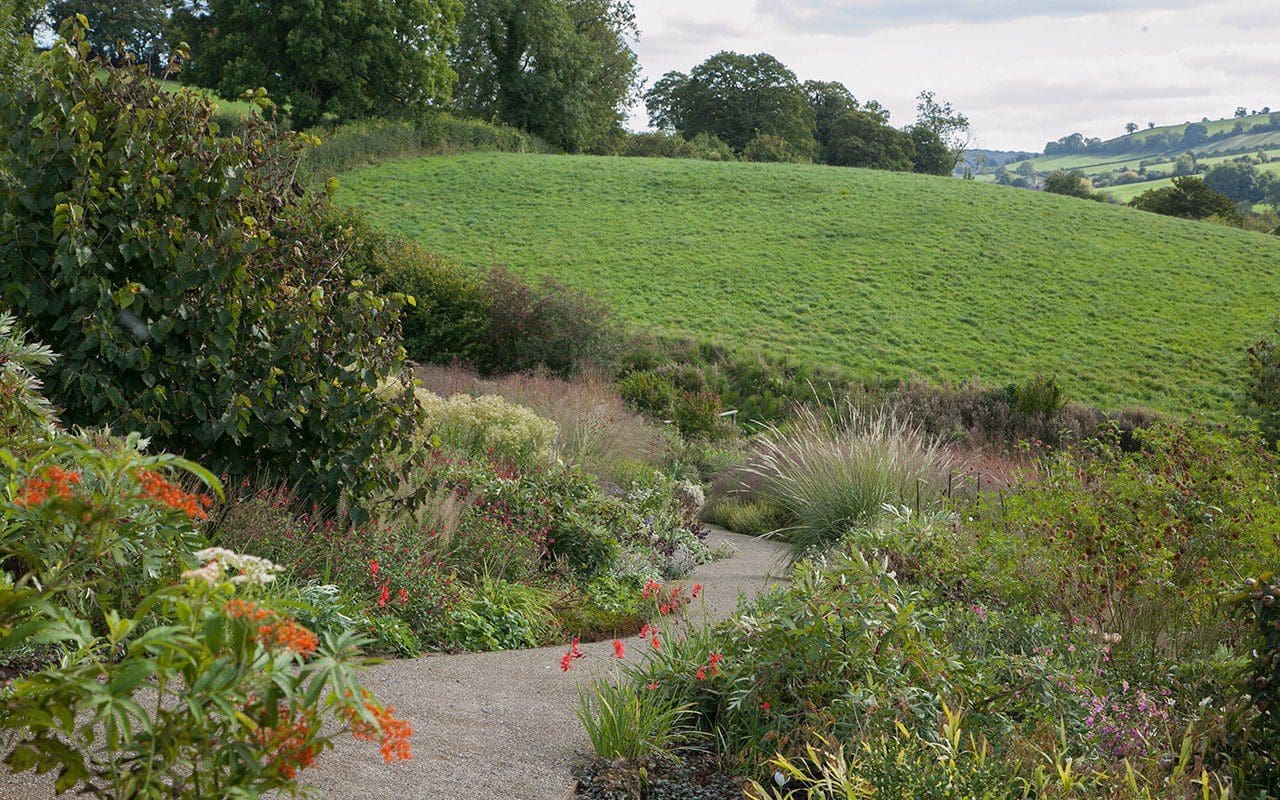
[493, 726]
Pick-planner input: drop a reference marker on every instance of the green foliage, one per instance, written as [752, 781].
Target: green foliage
[15, 45]
[564, 71]
[1072, 184]
[931, 155]
[748, 517]
[1189, 198]
[1038, 396]
[622, 723]
[393, 54]
[365, 142]
[1100, 533]
[947, 125]
[25, 415]
[120, 29]
[197, 295]
[768, 148]
[1261, 598]
[736, 98]
[664, 144]
[648, 391]
[862, 139]
[889, 275]
[502, 616]
[1261, 399]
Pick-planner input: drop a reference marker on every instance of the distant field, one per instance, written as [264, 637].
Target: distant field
[887, 274]
[1131, 190]
[233, 107]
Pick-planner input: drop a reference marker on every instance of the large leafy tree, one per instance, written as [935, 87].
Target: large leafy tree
[831, 99]
[328, 61]
[1189, 198]
[561, 69]
[15, 38]
[737, 98]
[945, 122]
[861, 139]
[123, 27]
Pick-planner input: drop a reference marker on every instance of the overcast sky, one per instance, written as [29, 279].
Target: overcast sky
[1025, 71]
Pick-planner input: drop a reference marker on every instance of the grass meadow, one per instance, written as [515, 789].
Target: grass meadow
[882, 273]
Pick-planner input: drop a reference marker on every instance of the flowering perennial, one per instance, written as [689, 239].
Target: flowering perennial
[56, 481]
[218, 560]
[289, 745]
[273, 631]
[156, 487]
[392, 735]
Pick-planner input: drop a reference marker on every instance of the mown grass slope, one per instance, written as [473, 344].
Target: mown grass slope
[885, 274]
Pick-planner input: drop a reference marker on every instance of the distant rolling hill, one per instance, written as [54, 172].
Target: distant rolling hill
[886, 274]
[1112, 164]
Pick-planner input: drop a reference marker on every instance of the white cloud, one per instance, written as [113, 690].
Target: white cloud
[1024, 75]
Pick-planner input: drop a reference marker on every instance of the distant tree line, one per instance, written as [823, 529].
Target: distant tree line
[757, 106]
[563, 70]
[1192, 135]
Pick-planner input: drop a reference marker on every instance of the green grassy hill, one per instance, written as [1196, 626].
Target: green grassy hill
[883, 273]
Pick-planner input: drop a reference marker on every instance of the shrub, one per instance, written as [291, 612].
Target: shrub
[25, 415]
[1039, 396]
[831, 472]
[768, 148]
[697, 414]
[748, 517]
[361, 143]
[1101, 534]
[209, 311]
[649, 392]
[656, 144]
[546, 325]
[487, 426]
[709, 147]
[1261, 598]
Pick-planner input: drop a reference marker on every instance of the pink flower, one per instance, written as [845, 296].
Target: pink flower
[374, 566]
[619, 649]
[697, 589]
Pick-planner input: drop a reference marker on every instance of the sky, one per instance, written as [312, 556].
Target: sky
[1024, 71]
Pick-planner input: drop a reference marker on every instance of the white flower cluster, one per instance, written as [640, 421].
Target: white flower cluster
[219, 561]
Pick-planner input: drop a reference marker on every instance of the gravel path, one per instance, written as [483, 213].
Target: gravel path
[492, 726]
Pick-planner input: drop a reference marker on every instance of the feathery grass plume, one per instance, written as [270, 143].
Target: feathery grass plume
[831, 470]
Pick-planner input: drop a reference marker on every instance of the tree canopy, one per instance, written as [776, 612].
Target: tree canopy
[123, 27]
[735, 97]
[561, 69]
[948, 125]
[1189, 198]
[861, 139]
[331, 61]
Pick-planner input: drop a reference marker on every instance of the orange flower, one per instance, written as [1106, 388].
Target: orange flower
[271, 630]
[287, 635]
[156, 487]
[288, 746]
[56, 481]
[392, 734]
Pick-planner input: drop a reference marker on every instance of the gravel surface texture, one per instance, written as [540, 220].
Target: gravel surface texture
[492, 726]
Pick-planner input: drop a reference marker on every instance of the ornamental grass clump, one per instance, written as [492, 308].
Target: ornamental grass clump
[831, 471]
